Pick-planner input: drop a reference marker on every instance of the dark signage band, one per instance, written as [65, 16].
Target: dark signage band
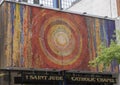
[38, 78]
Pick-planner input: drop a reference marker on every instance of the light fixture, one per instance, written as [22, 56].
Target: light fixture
[84, 12]
[41, 4]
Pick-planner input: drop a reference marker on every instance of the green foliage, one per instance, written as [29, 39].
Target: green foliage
[106, 55]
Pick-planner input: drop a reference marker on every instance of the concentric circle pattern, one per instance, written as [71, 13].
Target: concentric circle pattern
[59, 39]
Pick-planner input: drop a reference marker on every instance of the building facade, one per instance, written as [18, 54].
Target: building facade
[48, 46]
[97, 8]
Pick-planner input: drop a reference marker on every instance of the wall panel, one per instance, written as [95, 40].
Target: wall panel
[44, 38]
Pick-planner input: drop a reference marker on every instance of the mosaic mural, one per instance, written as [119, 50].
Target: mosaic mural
[36, 37]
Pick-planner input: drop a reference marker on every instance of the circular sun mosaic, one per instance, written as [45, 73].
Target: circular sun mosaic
[59, 39]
